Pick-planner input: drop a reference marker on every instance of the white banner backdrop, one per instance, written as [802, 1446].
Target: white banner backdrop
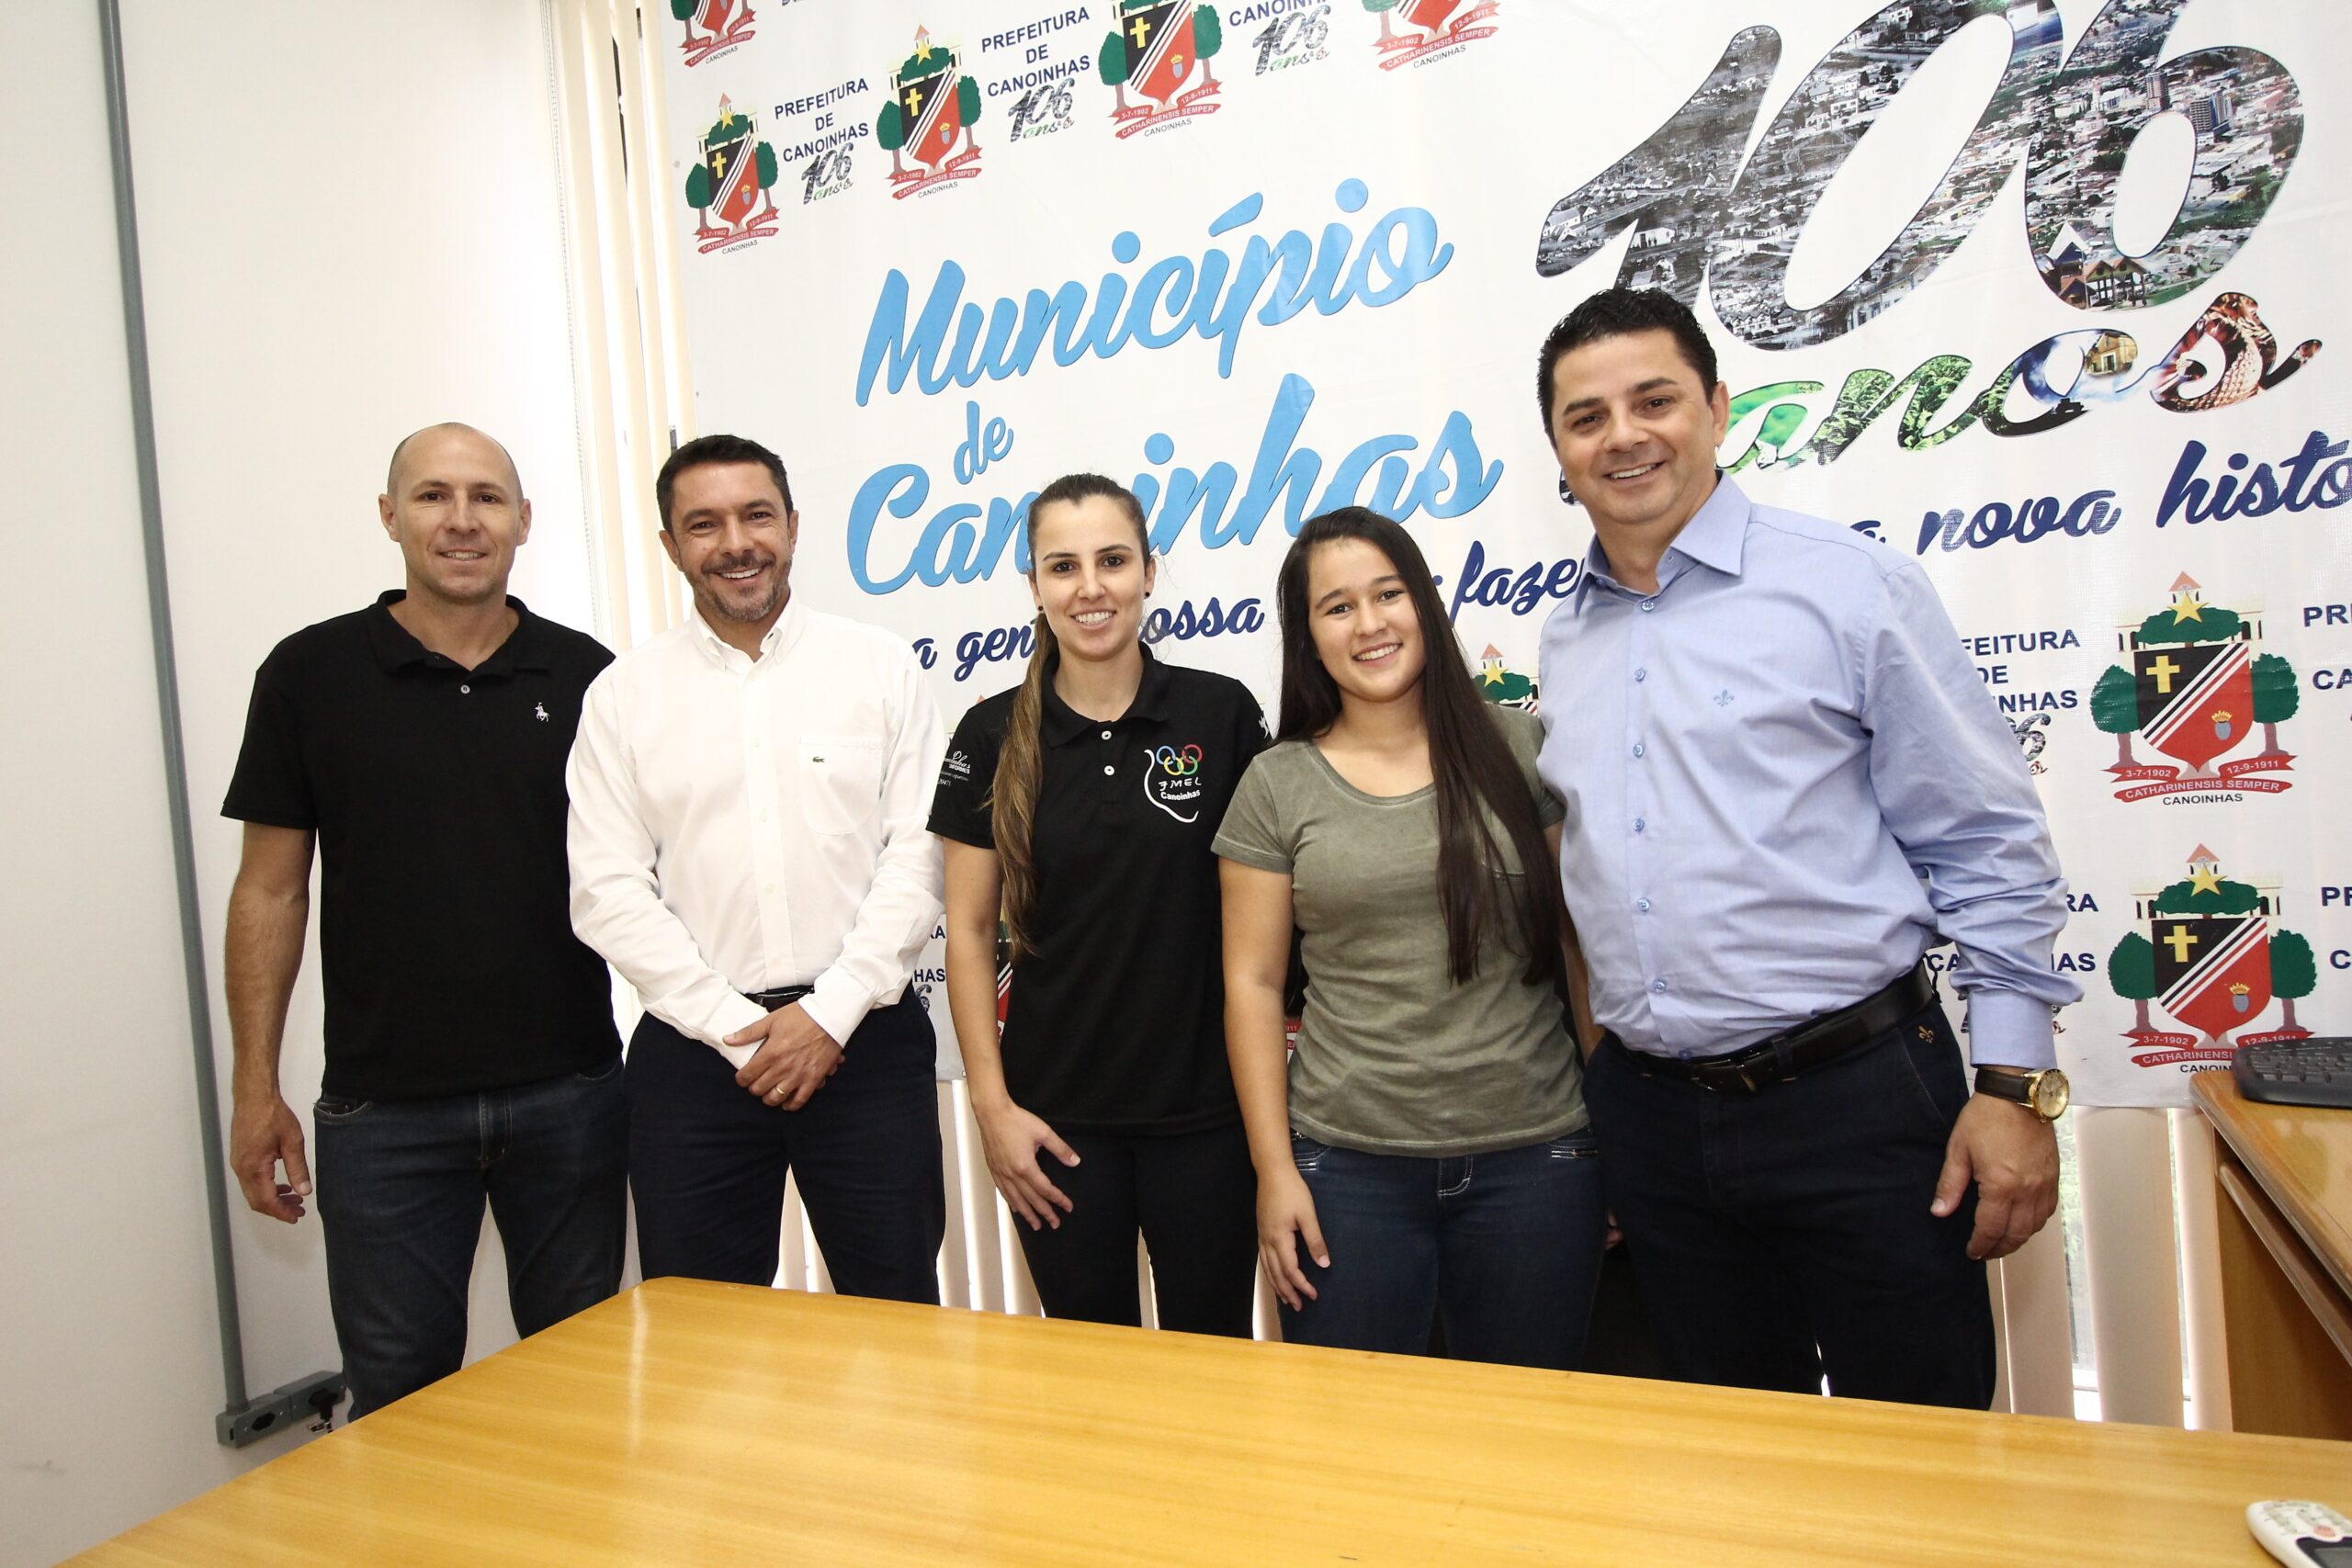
[2033, 292]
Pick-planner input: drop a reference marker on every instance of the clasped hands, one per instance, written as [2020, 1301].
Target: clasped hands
[794, 1059]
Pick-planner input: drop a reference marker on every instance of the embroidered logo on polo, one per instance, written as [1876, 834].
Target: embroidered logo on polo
[2210, 952]
[1171, 780]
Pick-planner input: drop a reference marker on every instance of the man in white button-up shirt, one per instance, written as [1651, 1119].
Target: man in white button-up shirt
[748, 849]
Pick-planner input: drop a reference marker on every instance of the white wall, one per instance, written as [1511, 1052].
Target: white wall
[350, 230]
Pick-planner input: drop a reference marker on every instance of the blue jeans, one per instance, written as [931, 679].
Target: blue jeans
[401, 1189]
[1502, 1250]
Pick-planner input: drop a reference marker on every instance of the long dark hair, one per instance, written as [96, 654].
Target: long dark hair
[1469, 760]
[1012, 800]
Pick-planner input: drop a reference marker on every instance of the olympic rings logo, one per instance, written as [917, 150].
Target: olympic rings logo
[1181, 764]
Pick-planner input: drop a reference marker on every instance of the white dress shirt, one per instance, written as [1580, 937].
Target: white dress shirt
[745, 825]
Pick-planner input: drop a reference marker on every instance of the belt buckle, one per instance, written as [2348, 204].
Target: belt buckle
[1741, 1069]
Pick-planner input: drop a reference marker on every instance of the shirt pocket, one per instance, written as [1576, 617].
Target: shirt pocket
[841, 783]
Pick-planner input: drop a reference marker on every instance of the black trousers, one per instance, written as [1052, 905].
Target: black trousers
[708, 1161]
[1193, 1195]
[1781, 1236]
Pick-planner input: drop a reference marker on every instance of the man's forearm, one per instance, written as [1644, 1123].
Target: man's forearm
[264, 953]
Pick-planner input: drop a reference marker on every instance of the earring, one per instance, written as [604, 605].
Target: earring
[1567, 496]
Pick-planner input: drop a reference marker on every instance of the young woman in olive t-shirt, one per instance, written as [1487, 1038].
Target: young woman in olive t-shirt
[1428, 1144]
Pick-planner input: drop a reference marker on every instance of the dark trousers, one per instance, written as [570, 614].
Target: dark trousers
[708, 1161]
[401, 1185]
[1781, 1236]
[1192, 1196]
[1501, 1250]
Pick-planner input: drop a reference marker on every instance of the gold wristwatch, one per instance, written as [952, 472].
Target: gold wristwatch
[2044, 1093]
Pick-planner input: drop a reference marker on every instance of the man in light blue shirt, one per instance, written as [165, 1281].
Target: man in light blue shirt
[1784, 784]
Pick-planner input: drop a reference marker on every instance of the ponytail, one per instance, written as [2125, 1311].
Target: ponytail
[1012, 805]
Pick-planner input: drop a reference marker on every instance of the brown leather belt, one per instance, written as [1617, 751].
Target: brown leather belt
[1801, 1047]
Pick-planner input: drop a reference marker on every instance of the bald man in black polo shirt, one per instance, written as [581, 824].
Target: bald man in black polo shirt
[470, 1054]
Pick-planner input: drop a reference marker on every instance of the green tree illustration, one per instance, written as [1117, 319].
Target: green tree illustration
[1381, 9]
[2131, 970]
[2211, 623]
[2185, 897]
[1111, 64]
[767, 167]
[2115, 708]
[890, 132]
[683, 10]
[1208, 37]
[2293, 971]
[698, 191]
[2275, 699]
[967, 104]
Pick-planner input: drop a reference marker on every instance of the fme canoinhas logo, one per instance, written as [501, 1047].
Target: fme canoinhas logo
[2196, 690]
[730, 188]
[2207, 953]
[932, 105]
[1154, 49]
[1171, 780]
[1440, 27]
[713, 26]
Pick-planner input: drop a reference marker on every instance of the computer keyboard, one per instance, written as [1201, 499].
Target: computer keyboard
[2317, 1071]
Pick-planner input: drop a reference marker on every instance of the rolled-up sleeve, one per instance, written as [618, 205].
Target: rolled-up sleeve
[1955, 791]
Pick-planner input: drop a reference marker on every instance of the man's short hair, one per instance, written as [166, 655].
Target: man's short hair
[1613, 312]
[706, 451]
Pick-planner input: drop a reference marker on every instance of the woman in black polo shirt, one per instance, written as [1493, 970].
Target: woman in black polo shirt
[1081, 805]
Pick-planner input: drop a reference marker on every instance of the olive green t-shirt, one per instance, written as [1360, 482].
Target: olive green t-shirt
[1392, 1057]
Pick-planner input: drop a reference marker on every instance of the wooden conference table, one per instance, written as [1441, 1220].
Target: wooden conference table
[697, 1423]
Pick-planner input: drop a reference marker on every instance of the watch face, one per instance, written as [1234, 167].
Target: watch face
[2049, 1094]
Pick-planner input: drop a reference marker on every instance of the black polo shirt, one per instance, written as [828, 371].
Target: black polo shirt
[1117, 1022]
[438, 795]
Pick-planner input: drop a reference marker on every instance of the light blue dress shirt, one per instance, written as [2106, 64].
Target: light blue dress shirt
[1784, 783]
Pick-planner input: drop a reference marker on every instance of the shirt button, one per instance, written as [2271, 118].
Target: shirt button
[1108, 769]
[1640, 823]
[1647, 605]
[465, 690]
[1106, 735]
[1641, 675]
[1638, 749]
[1657, 985]
[1643, 905]
[770, 887]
